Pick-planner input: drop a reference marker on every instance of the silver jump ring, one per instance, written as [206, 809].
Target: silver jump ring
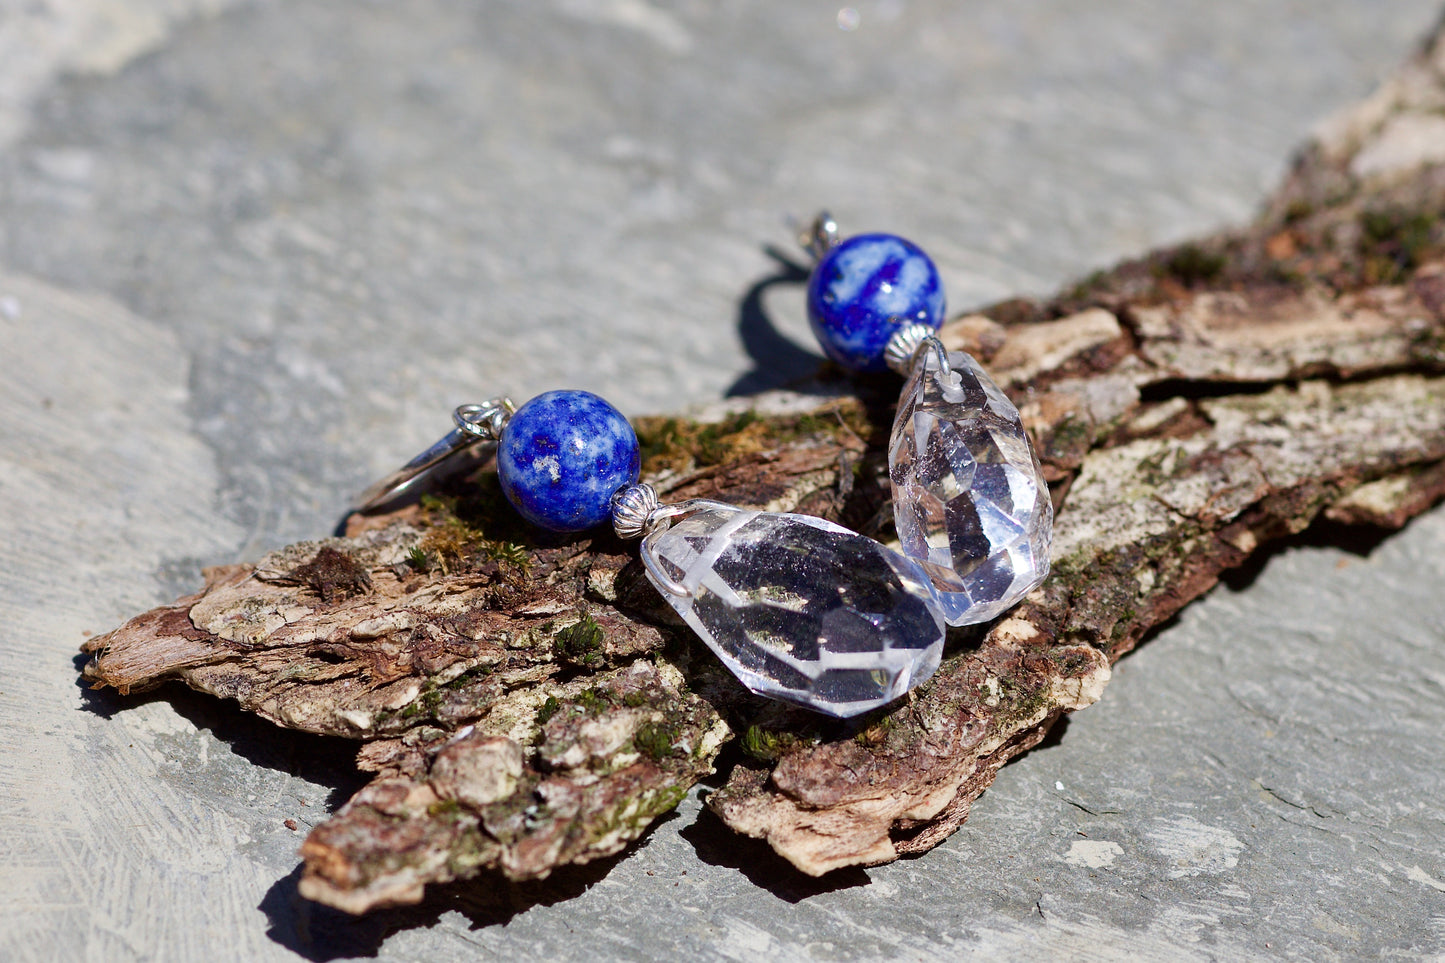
[485, 420]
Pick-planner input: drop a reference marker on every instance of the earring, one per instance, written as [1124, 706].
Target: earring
[969, 498]
[798, 608]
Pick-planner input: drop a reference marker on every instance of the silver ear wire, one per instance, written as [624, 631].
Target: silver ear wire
[475, 425]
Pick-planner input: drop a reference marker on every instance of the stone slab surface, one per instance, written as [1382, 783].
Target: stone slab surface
[251, 254]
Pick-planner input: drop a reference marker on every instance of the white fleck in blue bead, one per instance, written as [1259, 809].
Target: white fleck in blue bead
[863, 290]
[562, 456]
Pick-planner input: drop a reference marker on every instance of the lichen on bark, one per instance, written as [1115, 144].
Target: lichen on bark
[527, 702]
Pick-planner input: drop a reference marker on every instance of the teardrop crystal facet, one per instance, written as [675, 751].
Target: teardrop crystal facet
[798, 608]
[969, 498]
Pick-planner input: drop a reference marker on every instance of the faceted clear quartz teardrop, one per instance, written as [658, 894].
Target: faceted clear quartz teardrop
[801, 609]
[969, 498]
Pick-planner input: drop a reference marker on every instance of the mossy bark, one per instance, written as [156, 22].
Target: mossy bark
[528, 702]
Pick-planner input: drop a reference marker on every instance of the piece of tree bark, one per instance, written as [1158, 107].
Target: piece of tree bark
[528, 702]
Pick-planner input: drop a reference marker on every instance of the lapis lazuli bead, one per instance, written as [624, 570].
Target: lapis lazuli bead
[863, 289]
[562, 456]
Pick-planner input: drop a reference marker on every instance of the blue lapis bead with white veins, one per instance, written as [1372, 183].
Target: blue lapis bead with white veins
[562, 456]
[864, 289]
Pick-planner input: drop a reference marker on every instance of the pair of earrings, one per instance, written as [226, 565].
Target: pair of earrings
[797, 607]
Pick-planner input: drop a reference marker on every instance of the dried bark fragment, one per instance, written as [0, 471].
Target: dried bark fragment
[580, 781]
[527, 703]
[1393, 500]
[332, 574]
[523, 708]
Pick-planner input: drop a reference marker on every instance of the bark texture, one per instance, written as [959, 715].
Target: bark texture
[528, 703]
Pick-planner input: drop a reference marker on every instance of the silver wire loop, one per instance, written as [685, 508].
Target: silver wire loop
[821, 236]
[485, 420]
[476, 425]
[948, 377]
[908, 341]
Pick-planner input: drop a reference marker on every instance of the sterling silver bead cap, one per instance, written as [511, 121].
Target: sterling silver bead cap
[632, 507]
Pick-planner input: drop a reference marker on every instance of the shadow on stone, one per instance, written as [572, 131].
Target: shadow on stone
[777, 360]
[717, 845]
[325, 760]
[105, 702]
[317, 932]
[320, 933]
[1358, 540]
[1054, 738]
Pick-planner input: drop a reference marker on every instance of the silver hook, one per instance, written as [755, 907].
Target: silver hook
[911, 340]
[932, 343]
[475, 425]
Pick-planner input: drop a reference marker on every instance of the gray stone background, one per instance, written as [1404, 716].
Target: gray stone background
[253, 251]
